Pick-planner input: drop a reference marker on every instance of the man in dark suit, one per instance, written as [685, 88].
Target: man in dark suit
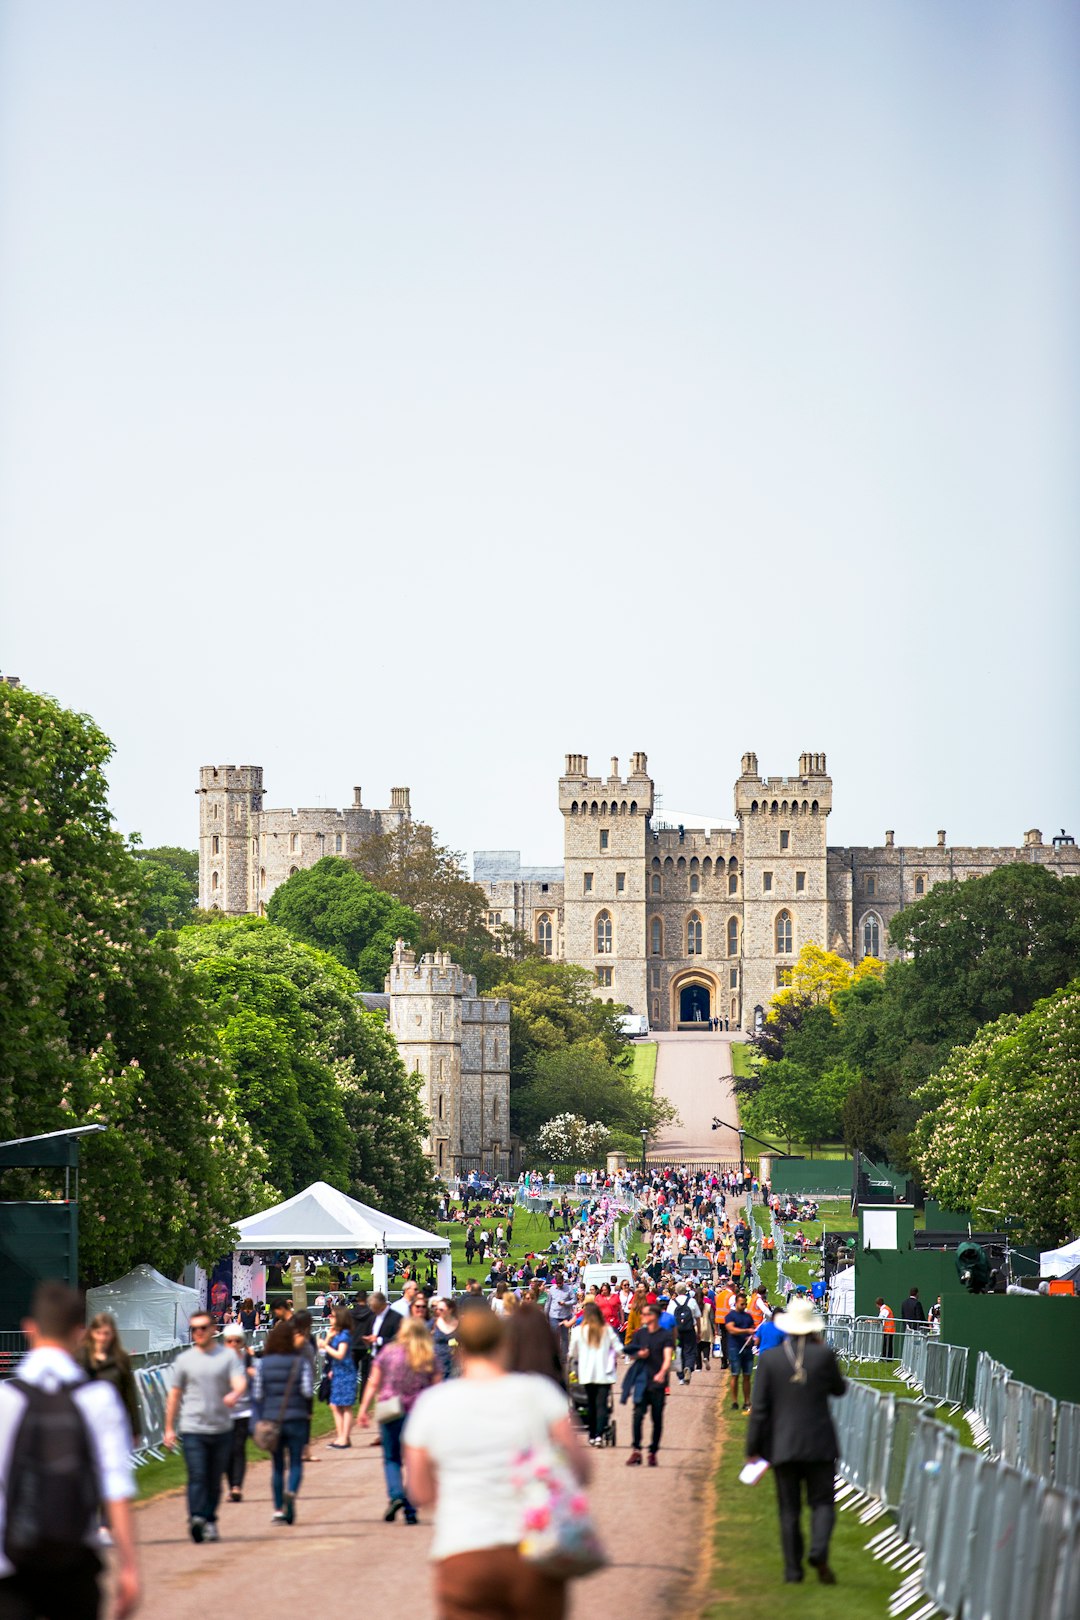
[791, 1426]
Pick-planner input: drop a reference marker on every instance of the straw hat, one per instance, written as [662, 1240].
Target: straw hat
[800, 1317]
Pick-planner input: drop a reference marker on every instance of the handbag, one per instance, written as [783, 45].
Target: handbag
[389, 1409]
[558, 1535]
[267, 1431]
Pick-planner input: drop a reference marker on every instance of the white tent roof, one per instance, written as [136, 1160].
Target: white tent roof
[146, 1299]
[1058, 1262]
[320, 1217]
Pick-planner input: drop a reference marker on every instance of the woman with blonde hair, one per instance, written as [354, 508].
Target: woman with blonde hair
[463, 1442]
[594, 1349]
[633, 1315]
[400, 1373]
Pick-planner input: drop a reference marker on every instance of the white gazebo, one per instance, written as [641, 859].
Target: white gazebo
[1059, 1262]
[321, 1218]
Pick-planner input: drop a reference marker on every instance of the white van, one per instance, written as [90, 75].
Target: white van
[602, 1271]
[634, 1025]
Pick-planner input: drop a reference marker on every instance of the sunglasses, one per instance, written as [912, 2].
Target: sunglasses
[202, 1327]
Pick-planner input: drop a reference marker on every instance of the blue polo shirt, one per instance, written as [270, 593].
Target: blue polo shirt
[769, 1335]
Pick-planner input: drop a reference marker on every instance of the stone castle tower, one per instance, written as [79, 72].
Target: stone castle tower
[605, 826]
[459, 1045]
[246, 851]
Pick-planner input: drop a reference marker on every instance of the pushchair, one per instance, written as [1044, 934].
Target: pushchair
[579, 1407]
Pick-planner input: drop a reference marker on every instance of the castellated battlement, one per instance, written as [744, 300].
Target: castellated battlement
[809, 793]
[230, 778]
[613, 795]
[435, 974]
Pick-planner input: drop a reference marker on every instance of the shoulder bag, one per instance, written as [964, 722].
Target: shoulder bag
[267, 1432]
[558, 1535]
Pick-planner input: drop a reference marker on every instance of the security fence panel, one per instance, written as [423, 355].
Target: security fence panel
[1066, 1472]
[997, 1536]
[1012, 1427]
[948, 1580]
[956, 1374]
[1039, 1436]
[1065, 1588]
[906, 1416]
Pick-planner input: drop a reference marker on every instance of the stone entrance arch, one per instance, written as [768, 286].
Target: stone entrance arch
[694, 1000]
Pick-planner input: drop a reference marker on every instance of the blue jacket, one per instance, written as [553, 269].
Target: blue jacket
[272, 1379]
[635, 1382]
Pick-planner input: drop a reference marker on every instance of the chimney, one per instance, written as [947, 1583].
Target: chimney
[888, 838]
[357, 805]
[399, 798]
[941, 838]
[614, 768]
[639, 764]
[749, 765]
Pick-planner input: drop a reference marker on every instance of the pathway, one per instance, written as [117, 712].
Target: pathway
[651, 1522]
[694, 1072]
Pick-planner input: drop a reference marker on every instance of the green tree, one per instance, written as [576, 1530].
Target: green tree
[332, 906]
[579, 1080]
[170, 879]
[430, 879]
[319, 1079]
[100, 1024]
[1001, 1128]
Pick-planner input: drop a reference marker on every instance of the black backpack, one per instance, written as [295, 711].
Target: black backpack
[53, 1499]
[684, 1319]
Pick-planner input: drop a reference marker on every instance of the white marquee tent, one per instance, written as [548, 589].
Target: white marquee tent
[146, 1302]
[842, 1293]
[321, 1218]
[1059, 1262]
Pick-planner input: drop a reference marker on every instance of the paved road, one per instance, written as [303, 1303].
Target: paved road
[651, 1521]
[694, 1072]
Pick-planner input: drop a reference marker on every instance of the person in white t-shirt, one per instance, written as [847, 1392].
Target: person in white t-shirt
[462, 1441]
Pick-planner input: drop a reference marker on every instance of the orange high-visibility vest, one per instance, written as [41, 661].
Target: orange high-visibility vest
[888, 1321]
[756, 1309]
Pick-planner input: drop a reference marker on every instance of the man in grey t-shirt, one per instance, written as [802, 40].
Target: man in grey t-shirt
[208, 1380]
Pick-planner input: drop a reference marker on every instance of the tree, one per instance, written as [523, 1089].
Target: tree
[100, 1024]
[579, 1079]
[170, 878]
[569, 1139]
[319, 1080]
[430, 879]
[816, 979]
[330, 905]
[980, 948]
[1001, 1130]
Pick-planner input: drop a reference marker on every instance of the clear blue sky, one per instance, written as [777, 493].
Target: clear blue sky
[415, 393]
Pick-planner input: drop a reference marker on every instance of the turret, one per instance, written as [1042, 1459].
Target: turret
[229, 797]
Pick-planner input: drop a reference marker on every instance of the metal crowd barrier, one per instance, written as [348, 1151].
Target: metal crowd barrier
[972, 1535]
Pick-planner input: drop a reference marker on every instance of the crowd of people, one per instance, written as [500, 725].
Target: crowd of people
[540, 1352]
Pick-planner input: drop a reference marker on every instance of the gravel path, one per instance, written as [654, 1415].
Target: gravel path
[694, 1072]
[652, 1522]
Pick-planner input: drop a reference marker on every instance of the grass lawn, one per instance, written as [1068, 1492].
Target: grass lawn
[747, 1568]
[740, 1060]
[642, 1068]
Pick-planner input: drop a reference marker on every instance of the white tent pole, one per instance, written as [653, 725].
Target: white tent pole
[444, 1275]
[380, 1273]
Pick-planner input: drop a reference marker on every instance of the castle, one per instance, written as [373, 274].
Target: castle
[680, 923]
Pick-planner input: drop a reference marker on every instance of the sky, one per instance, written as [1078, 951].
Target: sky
[411, 395]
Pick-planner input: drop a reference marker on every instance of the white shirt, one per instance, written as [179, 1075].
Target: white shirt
[474, 1430]
[401, 1306]
[104, 1415]
[595, 1362]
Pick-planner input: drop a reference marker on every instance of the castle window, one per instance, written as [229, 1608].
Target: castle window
[215, 845]
[800, 883]
[920, 885]
[254, 846]
[733, 979]
[262, 876]
[869, 885]
[440, 1105]
[733, 883]
[293, 871]
[654, 977]
[543, 933]
[656, 942]
[213, 880]
[656, 862]
[603, 838]
[783, 978]
[587, 883]
[603, 977]
[213, 812]
[656, 883]
[293, 842]
[871, 935]
[785, 838]
[706, 865]
[693, 935]
[620, 883]
[238, 810]
[733, 936]
[543, 888]
[603, 934]
[337, 843]
[655, 1010]
[766, 882]
[783, 933]
[695, 883]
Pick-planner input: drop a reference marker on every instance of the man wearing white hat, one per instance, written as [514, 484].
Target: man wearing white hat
[790, 1425]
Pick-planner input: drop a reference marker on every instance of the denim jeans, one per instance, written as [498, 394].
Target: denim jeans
[391, 1452]
[207, 1457]
[294, 1434]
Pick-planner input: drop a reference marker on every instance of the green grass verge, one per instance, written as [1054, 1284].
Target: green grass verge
[741, 1065]
[171, 1475]
[747, 1566]
[641, 1070]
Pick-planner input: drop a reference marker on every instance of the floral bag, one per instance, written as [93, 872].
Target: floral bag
[558, 1535]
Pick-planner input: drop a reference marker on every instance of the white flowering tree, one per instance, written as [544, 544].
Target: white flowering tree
[1002, 1127]
[568, 1139]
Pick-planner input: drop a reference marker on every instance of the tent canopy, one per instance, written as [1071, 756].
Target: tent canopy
[146, 1299]
[1059, 1262]
[842, 1293]
[321, 1218]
